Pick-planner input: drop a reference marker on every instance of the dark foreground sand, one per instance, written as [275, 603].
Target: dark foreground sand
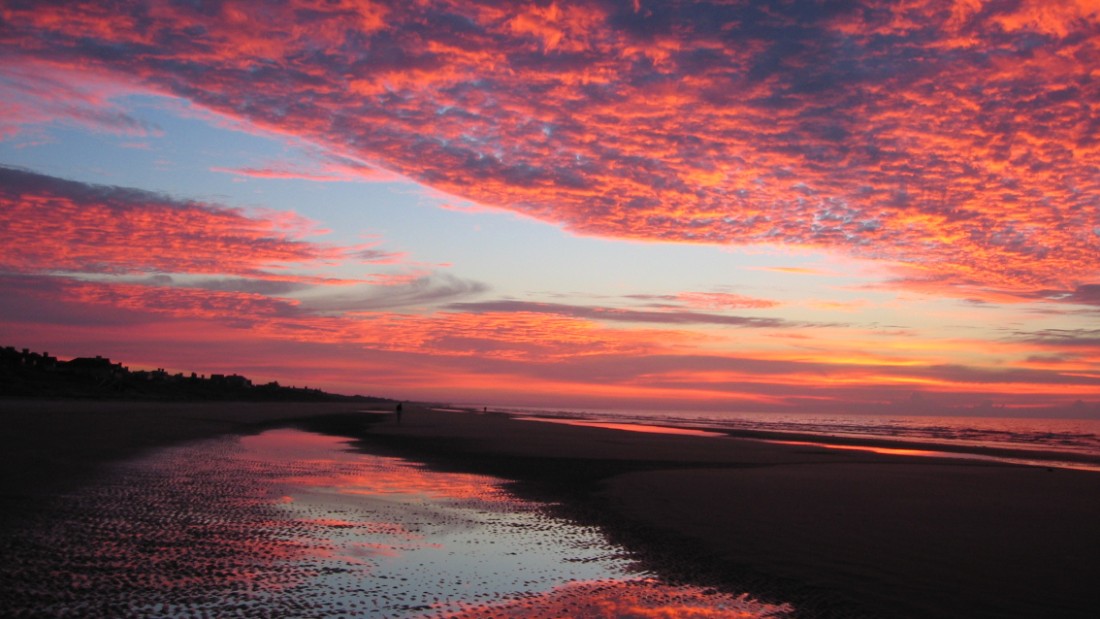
[52, 445]
[837, 533]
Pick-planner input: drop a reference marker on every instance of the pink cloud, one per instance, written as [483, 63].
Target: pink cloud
[795, 270]
[328, 172]
[34, 92]
[955, 145]
[275, 173]
[723, 301]
[49, 224]
[942, 139]
[520, 352]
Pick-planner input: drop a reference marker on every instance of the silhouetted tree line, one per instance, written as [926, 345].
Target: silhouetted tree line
[30, 374]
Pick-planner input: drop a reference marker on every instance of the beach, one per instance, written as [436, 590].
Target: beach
[835, 533]
[850, 533]
[52, 445]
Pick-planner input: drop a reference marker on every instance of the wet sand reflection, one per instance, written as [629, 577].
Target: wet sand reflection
[288, 523]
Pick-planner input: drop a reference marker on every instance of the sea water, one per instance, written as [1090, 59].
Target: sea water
[1080, 437]
[294, 524]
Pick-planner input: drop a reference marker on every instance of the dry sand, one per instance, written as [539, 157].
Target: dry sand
[839, 533]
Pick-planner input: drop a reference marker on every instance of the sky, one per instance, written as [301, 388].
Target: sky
[726, 205]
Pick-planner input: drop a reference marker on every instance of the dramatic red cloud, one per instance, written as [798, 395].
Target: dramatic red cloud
[49, 224]
[955, 142]
[547, 352]
[516, 336]
[956, 137]
[237, 307]
[533, 356]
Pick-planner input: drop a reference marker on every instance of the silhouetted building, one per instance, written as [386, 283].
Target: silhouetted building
[12, 358]
[96, 367]
[232, 381]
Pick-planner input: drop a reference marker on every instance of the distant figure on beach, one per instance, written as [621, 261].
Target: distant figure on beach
[398, 412]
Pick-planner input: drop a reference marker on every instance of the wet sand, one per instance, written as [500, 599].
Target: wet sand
[836, 533]
[287, 523]
[51, 445]
[839, 533]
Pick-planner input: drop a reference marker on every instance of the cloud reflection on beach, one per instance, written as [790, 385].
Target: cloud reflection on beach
[288, 523]
[506, 557]
[630, 598]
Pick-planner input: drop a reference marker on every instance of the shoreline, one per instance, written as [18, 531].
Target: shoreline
[947, 449]
[1062, 459]
[837, 533]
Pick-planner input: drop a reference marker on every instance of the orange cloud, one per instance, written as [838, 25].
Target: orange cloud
[49, 224]
[517, 336]
[542, 356]
[723, 300]
[325, 173]
[1058, 19]
[955, 141]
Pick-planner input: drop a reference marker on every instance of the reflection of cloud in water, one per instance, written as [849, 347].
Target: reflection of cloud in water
[288, 523]
[323, 462]
[637, 599]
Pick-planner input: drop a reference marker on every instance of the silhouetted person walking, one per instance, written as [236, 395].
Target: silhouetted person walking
[398, 413]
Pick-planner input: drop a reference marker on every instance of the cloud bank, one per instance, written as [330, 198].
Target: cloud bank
[52, 224]
[954, 141]
[957, 138]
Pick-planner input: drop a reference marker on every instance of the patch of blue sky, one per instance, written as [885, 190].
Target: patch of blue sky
[190, 154]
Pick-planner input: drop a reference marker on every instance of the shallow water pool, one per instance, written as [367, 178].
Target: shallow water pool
[295, 524]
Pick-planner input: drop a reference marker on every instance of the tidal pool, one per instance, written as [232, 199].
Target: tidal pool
[295, 524]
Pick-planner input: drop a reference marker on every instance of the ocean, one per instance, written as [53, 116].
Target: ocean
[1073, 443]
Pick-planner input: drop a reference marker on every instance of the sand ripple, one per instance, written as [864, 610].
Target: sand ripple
[291, 524]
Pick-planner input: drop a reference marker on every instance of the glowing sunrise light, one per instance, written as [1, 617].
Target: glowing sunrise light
[648, 204]
[628, 427]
